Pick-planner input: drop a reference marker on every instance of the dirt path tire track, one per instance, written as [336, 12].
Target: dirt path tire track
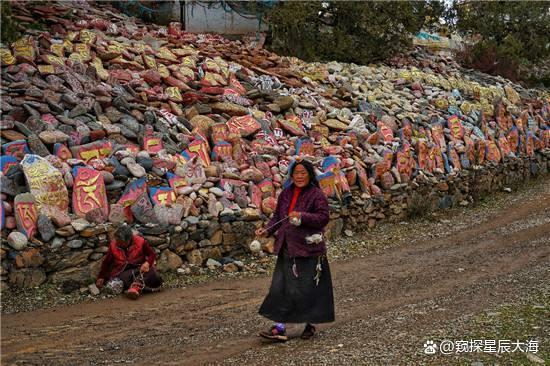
[215, 321]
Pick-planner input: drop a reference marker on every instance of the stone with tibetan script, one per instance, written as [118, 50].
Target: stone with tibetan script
[304, 146]
[267, 188]
[255, 195]
[94, 150]
[26, 214]
[169, 215]
[243, 126]
[268, 205]
[17, 149]
[194, 172]
[293, 125]
[152, 142]
[6, 58]
[201, 149]
[362, 178]
[7, 162]
[89, 191]
[351, 177]
[116, 214]
[219, 132]
[405, 162]
[24, 49]
[438, 136]
[173, 93]
[163, 196]
[96, 216]
[327, 183]
[457, 130]
[203, 123]
[62, 151]
[386, 132]
[176, 182]
[133, 191]
[222, 151]
[143, 210]
[46, 184]
[493, 153]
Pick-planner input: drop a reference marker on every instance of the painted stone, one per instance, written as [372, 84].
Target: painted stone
[132, 192]
[481, 151]
[17, 149]
[530, 144]
[201, 148]
[269, 205]
[493, 154]
[513, 139]
[362, 178]
[255, 195]
[438, 136]
[304, 146]
[423, 156]
[267, 189]
[117, 214]
[176, 182]
[222, 151]
[243, 126]
[89, 191]
[143, 210]
[94, 150]
[26, 214]
[62, 151]
[194, 172]
[219, 132]
[386, 132]
[405, 163]
[292, 124]
[163, 196]
[504, 146]
[457, 130]
[7, 162]
[46, 184]
[152, 143]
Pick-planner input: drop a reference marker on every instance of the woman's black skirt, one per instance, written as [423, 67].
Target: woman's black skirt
[295, 296]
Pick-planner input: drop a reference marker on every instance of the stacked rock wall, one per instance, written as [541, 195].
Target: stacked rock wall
[76, 258]
[189, 138]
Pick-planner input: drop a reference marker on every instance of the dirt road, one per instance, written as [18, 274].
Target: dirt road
[386, 303]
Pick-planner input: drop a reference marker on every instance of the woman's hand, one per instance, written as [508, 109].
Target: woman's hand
[295, 215]
[99, 282]
[144, 267]
[261, 232]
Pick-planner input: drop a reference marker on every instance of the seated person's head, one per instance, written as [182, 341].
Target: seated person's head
[123, 235]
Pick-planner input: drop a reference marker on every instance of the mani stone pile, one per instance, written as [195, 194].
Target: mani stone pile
[189, 137]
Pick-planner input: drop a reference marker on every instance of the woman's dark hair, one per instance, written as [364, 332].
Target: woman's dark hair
[310, 171]
[123, 233]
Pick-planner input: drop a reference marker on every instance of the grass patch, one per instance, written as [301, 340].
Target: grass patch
[521, 322]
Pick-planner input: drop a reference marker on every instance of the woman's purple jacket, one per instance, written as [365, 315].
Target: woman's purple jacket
[313, 206]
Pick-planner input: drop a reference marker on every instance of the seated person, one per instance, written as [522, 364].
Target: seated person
[130, 258]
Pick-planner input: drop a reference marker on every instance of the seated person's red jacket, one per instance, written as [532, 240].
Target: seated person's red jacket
[117, 259]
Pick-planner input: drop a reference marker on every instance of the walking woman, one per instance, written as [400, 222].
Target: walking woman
[301, 288]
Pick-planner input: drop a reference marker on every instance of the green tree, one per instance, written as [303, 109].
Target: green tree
[512, 36]
[9, 26]
[349, 31]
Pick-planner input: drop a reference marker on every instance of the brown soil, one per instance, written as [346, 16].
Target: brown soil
[402, 293]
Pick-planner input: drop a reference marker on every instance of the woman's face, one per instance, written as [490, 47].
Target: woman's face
[300, 176]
